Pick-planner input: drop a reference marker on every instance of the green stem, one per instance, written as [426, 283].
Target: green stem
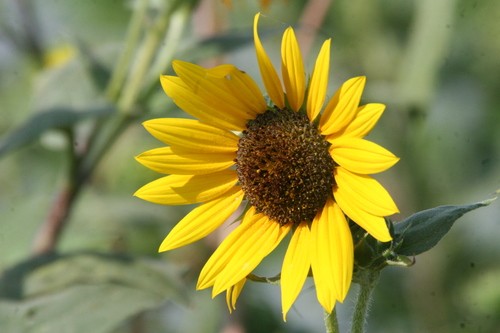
[367, 282]
[49, 232]
[104, 141]
[103, 136]
[122, 66]
[135, 81]
[331, 322]
[167, 49]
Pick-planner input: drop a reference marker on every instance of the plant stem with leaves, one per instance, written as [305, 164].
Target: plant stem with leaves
[125, 89]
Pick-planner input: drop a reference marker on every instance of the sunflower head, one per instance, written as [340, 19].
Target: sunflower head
[300, 166]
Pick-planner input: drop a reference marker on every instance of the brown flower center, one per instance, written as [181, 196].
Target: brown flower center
[284, 166]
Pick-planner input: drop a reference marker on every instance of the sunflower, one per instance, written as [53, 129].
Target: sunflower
[296, 169]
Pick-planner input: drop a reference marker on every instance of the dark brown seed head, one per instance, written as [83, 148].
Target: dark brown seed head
[284, 166]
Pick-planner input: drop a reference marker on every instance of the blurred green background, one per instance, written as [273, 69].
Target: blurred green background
[435, 64]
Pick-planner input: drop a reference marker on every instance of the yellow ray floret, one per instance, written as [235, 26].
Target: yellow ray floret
[341, 109]
[180, 161]
[361, 156]
[292, 70]
[366, 192]
[202, 220]
[187, 189]
[373, 224]
[295, 266]
[365, 119]
[254, 237]
[267, 71]
[319, 82]
[189, 101]
[260, 239]
[332, 255]
[233, 293]
[193, 135]
[218, 88]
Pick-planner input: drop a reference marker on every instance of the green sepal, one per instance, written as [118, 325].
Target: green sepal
[423, 230]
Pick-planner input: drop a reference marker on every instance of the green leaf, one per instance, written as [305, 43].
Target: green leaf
[423, 230]
[51, 292]
[41, 122]
[79, 309]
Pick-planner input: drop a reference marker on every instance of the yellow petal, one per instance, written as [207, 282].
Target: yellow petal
[221, 88]
[366, 118]
[187, 189]
[341, 109]
[202, 220]
[319, 82]
[220, 257]
[260, 238]
[365, 192]
[332, 255]
[185, 162]
[292, 69]
[192, 135]
[361, 156]
[190, 73]
[295, 267]
[186, 99]
[239, 85]
[233, 293]
[267, 71]
[374, 225]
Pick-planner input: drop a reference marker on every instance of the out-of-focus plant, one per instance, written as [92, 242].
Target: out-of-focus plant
[106, 287]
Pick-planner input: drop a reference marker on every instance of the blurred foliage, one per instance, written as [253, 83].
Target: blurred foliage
[434, 64]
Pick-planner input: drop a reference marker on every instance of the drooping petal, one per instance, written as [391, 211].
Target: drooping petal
[374, 225]
[319, 82]
[332, 256]
[295, 267]
[260, 239]
[214, 87]
[267, 71]
[233, 293]
[241, 252]
[365, 192]
[366, 117]
[361, 156]
[185, 162]
[202, 220]
[186, 99]
[341, 109]
[220, 257]
[187, 189]
[292, 70]
[192, 135]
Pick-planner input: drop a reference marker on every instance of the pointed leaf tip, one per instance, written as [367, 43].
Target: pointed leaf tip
[423, 230]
